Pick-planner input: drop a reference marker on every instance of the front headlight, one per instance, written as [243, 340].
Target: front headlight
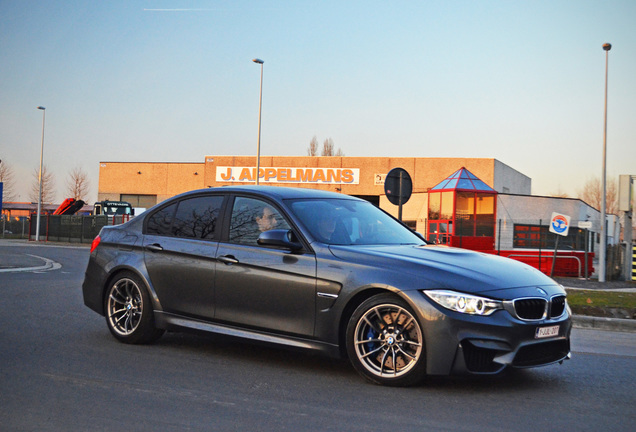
[464, 303]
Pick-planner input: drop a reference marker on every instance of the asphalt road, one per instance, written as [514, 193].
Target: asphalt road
[61, 370]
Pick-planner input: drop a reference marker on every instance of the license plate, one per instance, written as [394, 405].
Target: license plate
[545, 332]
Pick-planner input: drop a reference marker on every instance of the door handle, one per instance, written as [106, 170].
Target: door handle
[155, 247]
[228, 259]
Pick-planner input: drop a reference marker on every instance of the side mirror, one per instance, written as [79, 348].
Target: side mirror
[279, 238]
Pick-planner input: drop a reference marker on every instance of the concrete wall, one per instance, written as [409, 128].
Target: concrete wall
[425, 172]
[165, 180]
[416, 209]
[147, 178]
[509, 180]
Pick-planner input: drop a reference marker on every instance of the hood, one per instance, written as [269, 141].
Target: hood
[442, 267]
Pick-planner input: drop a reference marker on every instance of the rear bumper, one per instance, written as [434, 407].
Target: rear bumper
[93, 286]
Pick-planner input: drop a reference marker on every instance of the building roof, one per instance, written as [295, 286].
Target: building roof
[463, 180]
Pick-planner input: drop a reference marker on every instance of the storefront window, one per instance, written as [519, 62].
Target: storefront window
[540, 237]
[475, 214]
[447, 205]
[434, 205]
[485, 213]
[465, 214]
[432, 232]
[140, 201]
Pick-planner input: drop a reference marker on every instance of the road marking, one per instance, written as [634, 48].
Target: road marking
[48, 266]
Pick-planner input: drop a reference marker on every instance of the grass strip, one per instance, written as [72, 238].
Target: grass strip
[601, 298]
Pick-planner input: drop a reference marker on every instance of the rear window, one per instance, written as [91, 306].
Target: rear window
[194, 218]
[161, 221]
[197, 217]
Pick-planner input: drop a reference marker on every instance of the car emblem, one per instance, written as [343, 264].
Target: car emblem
[543, 292]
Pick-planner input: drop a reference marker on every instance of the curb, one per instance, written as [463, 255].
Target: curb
[601, 323]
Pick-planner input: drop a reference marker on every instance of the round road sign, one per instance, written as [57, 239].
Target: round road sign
[398, 186]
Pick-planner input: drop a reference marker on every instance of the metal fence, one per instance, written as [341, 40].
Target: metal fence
[78, 229]
[509, 234]
[15, 228]
[520, 235]
[59, 228]
[530, 241]
[527, 237]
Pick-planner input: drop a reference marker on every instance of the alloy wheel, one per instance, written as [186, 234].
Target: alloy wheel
[388, 341]
[125, 306]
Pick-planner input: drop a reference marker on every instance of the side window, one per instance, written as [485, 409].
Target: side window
[250, 217]
[159, 223]
[197, 217]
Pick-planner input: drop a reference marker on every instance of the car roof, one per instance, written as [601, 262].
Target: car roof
[276, 192]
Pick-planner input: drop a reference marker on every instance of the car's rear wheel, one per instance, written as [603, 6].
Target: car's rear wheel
[129, 312]
[385, 342]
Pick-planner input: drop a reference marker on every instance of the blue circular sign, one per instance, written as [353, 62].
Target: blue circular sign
[559, 224]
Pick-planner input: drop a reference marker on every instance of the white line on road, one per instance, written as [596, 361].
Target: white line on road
[48, 266]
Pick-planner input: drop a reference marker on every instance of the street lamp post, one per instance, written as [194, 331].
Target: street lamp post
[37, 226]
[603, 249]
[260, 105]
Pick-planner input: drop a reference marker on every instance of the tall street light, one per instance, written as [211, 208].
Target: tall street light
[603, 249]
[260, 105]
[37, 226]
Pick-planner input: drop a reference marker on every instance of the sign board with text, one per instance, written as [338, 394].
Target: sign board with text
[317, 175]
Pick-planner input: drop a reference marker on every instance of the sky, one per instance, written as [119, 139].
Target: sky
[173, 81]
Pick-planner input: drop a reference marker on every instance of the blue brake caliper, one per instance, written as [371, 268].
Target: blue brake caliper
[372, 334]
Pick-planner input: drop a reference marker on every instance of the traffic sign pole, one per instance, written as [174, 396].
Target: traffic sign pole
[400, 199]
[559, 226]
[585, 226]
[398, 187]
[554, 257]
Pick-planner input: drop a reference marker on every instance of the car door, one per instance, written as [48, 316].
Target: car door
[179, 250]
[263, 287]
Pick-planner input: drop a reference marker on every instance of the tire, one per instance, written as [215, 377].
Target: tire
[385, 342]
[128, 309]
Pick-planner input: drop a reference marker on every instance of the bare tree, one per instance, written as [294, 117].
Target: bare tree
[77, 184]
[327, 147]
[312, 150]
[8, 182]
[48, 186]
[560, 194]
[592, 193]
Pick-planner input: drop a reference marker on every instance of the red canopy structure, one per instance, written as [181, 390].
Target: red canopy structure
[462, 211]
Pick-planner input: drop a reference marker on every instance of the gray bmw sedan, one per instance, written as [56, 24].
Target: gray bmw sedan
[324, 271]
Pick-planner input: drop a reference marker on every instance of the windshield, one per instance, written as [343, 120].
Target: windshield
[119, 210]
[348, 222]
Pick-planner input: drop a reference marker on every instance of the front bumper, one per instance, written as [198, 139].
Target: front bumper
[487, 357]
[458, 343]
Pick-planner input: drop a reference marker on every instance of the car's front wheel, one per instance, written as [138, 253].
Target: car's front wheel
[385, 342]
[129, 312]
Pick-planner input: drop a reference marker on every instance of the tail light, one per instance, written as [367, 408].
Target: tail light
[95, 243]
